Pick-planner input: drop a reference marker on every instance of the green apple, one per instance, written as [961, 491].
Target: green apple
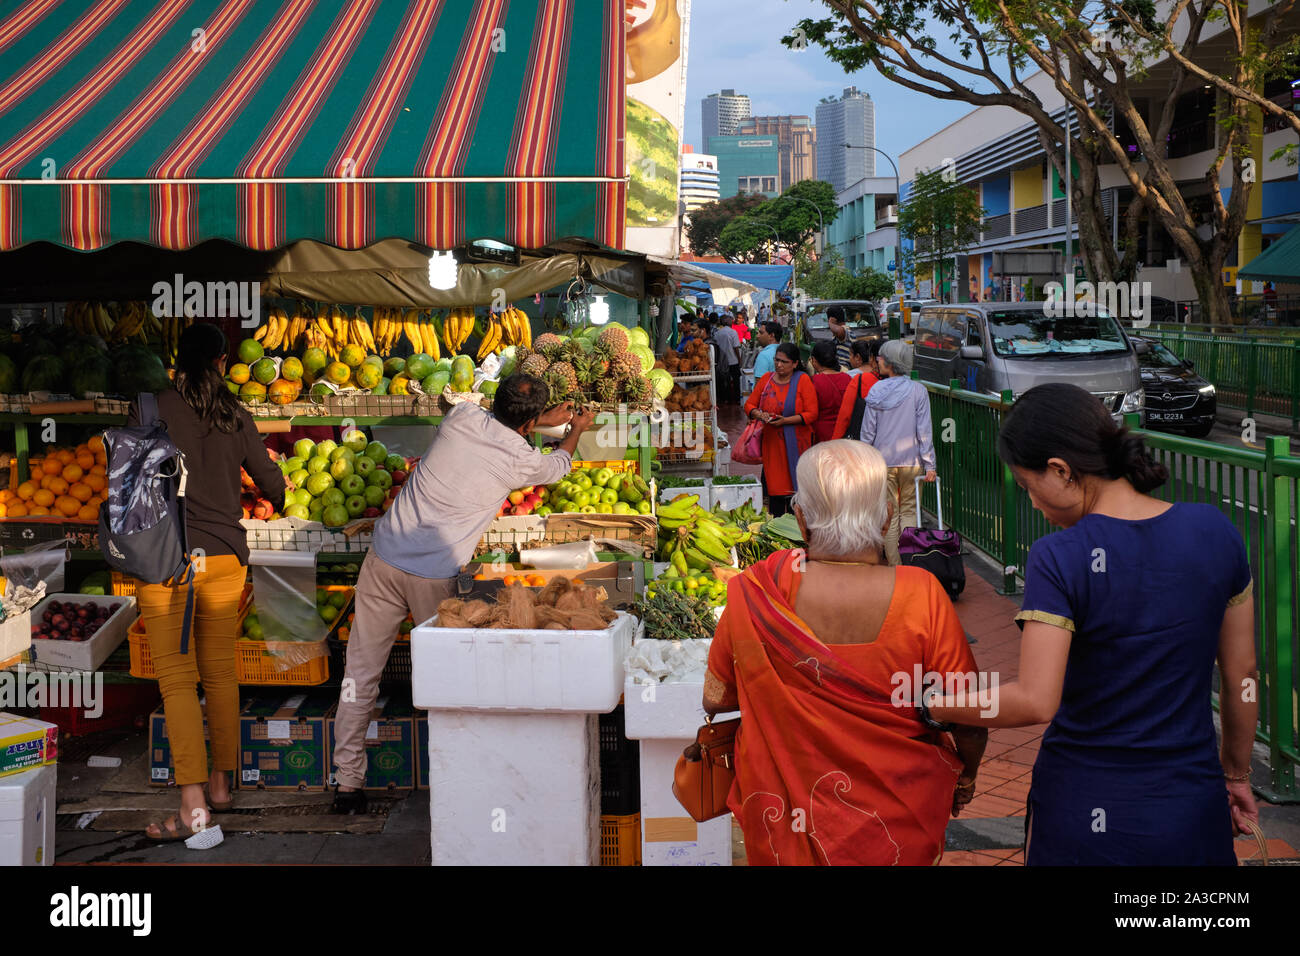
[328, 612]
[352, 485]
[374, 495]
[325, 447]
[608, 496]
[582, 499]
[300, 497]
[337, 599]
[340, 468]
[315, 509]
[300, 477]
[394, 462]
[355, 505]
[304, 448]
[643, 506]
[319, 483]
[318, 464]
[379, 479]
[297, 511]
[377, 452]
[616, 482]
[356, 441]
[335, 516]
[569, 507]
[332, 497]
[363, 465]
[543, 510]
[587, 509]
[623, 508]
[343, 452]
[583, 481]
[602, 476]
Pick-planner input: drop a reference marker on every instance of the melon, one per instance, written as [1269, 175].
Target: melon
[91, 375]
[419, 366]
[373, 360]
[250, 350]
[488, 387]
[314, 362]
[321, 391]
[508, 361]
[442, 365]
[136, 370]
[252, 393]
[44, 373]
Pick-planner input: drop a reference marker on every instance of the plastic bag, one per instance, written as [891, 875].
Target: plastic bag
[42, 562]
[284, 592]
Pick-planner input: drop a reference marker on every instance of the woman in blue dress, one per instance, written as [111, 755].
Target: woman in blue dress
[1125, 613]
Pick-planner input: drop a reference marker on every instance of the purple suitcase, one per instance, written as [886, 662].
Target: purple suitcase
[936, 550]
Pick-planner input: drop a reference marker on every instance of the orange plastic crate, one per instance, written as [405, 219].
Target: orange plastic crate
[141, 656]
[254, 664]
[620, 840]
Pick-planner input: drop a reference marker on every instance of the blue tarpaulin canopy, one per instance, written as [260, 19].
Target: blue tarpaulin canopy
[776, 278]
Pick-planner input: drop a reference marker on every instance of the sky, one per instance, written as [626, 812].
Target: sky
[735, 44]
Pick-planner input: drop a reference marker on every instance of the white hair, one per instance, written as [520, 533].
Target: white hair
[842, 495]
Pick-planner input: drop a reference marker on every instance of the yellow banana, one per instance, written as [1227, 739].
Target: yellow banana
[411, 326]
[430, 336]
[339, 326]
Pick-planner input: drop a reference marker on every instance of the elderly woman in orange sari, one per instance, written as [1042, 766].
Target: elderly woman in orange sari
[821, 649]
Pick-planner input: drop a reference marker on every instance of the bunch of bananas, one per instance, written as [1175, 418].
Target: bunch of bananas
[274, 332]
[89, 318]
[457, 328]
[510, 327]
[692, 537]
[172, 327]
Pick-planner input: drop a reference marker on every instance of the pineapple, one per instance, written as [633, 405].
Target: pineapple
[636, 389]
[535, 365]
[607, 390]
[547, 344]
[612, 342]
[562, 378]
[625, 366]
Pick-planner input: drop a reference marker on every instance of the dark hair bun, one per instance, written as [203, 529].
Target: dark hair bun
[1128, 457]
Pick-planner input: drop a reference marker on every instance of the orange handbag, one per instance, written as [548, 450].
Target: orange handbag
[706, 769]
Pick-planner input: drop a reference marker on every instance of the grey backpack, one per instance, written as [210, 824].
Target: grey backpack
[142, 525]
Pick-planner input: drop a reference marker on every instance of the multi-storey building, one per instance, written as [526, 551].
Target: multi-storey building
[796, 139]
[747, 164]
[721, 114]
[849, 120]
[699, 179]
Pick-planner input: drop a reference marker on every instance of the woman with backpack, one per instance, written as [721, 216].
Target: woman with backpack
[786, 401]
[216, 435]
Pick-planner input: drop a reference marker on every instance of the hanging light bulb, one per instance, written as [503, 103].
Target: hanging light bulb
[599, 311]
[444, 271]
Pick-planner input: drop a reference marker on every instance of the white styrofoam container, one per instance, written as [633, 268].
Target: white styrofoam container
[27, 802]
[519, 670]
[666, 711]
[733, 496]
[514, 789]
[667, 494]
[85, 655]
[15, 635]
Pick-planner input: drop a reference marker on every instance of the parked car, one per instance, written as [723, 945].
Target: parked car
[889, 307]
[859, 316]
[1165, 311]
[995, 346]
[1177, 399]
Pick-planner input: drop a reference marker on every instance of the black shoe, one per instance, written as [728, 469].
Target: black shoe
[349, 802]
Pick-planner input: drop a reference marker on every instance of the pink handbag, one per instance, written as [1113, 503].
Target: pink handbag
[749, 450]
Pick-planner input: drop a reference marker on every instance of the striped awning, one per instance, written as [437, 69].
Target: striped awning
[263, 122]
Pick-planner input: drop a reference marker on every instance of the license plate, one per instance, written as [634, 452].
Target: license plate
[1165, 416]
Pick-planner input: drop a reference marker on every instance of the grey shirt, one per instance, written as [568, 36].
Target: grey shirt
[727, 342]
[435, 524]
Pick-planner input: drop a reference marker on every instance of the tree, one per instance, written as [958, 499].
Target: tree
[829, 279]
[746, 239]
[793, 212]
[941, 218]
[1078, 45]
[708, 221]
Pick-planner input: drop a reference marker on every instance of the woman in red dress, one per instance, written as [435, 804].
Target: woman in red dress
[830, 384]
[789, 418]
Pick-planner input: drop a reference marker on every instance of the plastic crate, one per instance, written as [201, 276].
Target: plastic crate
[620, 766]
[620, 840]
[615, 465]
[396, 671]
[141, 656]
[124, 586]
[124, 705]
[255, 665]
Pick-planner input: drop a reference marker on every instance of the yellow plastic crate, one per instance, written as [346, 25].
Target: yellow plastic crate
[615, 465]
[620, 840]
[255, 665]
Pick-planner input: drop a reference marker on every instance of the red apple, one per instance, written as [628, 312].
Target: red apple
[515, 497]
[371, 513]
[399, 476]
[388, 503]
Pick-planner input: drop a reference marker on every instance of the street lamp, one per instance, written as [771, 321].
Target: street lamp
[765, 225]
[898, 198]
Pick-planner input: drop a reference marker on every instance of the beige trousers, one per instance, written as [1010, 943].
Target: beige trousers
[385, 595]
[901, 489]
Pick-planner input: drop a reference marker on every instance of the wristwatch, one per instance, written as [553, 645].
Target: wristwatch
[930, 721]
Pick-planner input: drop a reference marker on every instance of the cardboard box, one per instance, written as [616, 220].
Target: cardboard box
[85, 655]
[26, 743]
[390, 746]
[282, 741]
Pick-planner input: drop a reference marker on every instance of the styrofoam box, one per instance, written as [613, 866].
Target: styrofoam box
[85, 655]
[27, 816]
[15, 635]
[733, 496]
[519, 670]
[667, 494]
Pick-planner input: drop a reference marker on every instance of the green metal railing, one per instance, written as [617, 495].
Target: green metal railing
[1254, 373]
[1259, 491]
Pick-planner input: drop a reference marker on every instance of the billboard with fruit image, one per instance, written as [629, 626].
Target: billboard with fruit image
[656, 80]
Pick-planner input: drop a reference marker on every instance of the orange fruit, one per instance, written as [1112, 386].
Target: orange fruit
[97, 481]
[85, 462]
[58, 485]
[44, 498]
[536, 581]
[88, 513]
[99, 469]
[51, 465]
[68, 505]
[95, 443]
[26, 490]
[82, 492]
[6, 495]
[15, 509]
[72, 474]
[480, 577]
[65, 456]
[36, 511]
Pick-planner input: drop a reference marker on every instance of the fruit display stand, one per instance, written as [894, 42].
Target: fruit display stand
[664, 718]
[514, 760]
[695, 461]
[87, 654]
